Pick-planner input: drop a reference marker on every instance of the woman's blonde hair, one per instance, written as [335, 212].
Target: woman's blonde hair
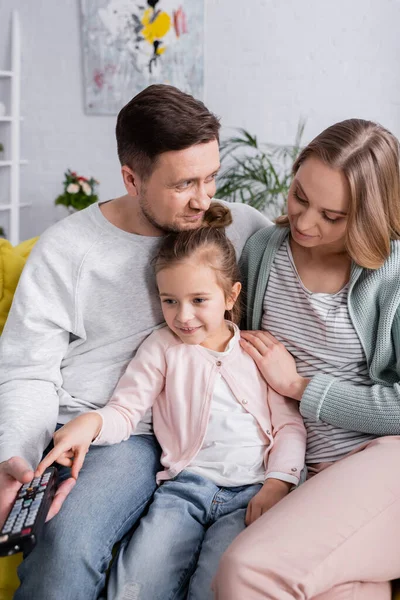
[211, 246]
[368, 155]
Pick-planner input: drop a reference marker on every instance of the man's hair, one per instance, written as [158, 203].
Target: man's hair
[159, 119]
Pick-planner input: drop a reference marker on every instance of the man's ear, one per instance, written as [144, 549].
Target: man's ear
[237, 286]
[131, 181]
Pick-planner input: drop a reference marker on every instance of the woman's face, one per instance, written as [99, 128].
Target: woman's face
[318, 205]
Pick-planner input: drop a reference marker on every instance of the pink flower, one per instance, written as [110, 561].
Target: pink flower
[73, 188]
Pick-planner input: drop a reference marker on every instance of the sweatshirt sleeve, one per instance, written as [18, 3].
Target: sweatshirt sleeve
[287, 455]
[32, 346]
[136, 392]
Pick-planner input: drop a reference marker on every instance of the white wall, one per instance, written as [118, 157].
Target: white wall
[267, 63]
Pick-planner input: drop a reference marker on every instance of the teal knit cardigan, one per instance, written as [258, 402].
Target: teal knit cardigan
[373, 303]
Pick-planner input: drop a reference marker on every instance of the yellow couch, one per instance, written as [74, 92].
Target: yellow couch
[12, 261]
[8, 576]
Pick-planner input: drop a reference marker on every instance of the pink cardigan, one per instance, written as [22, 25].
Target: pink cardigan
[177, 380]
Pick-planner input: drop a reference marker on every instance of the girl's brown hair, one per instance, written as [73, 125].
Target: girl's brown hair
[211, 246]
[368, 155]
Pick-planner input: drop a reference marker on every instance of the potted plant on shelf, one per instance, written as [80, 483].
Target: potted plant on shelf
[257, 174]
[79, 192]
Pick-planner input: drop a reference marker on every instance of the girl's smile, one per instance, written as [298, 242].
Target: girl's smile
[194, 303]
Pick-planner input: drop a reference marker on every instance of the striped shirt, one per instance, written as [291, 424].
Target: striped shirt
[317, 330]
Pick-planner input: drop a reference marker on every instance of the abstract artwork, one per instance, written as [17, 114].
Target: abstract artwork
[130, 44]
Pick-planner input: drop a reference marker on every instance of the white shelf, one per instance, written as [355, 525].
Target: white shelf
[8, 163]
[4, 207]
[14, 161]
[9, 119]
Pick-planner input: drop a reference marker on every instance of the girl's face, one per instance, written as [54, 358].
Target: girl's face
[318, 205]
[194, 304]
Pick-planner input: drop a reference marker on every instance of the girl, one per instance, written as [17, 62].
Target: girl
[324, 288]
[232, 448]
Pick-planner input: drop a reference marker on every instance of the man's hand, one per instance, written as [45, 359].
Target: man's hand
[13, 474]
[271, 492]
[72, 442]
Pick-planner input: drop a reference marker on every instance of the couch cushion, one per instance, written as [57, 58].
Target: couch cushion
[12, 261]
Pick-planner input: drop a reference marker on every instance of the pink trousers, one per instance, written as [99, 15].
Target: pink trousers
[336, 537]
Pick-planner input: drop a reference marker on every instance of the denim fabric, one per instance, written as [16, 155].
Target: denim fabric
[189, 524]
[74, 550]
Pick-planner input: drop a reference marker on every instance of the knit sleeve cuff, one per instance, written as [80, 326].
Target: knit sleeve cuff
[314, 396]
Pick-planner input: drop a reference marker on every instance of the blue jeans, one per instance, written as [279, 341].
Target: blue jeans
[178, 544]
[74, 550]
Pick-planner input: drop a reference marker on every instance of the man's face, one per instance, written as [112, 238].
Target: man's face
[179, 190]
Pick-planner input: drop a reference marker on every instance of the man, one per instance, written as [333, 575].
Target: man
[85, 302]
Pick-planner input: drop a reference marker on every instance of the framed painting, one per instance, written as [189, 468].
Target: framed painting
[130, 44]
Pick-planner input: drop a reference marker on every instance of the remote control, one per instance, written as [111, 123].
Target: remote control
[28, 514]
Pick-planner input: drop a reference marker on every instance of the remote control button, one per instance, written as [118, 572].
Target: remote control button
[31, 516]
[10, 519]
[26, 531]
[3, 538]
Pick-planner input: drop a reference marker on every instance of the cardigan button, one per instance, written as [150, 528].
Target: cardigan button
[245, 401]
[294, 470]
[219, 363]
[268, 431]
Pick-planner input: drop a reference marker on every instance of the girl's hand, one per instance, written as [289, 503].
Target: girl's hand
[72, 442]
[271, 492]
[274, 362]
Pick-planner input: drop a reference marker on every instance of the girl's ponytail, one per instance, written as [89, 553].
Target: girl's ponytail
[210, 246]
[217, 216]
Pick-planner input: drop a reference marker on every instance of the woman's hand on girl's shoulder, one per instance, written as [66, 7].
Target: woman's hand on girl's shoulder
[274, 362]
[271, 492]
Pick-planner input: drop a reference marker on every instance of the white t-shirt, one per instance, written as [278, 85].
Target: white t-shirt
[233, 448]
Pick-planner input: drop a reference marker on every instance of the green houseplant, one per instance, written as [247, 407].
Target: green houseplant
[257, 174]
[79, 192]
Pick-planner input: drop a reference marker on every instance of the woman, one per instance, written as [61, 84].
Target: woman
[324, 286]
